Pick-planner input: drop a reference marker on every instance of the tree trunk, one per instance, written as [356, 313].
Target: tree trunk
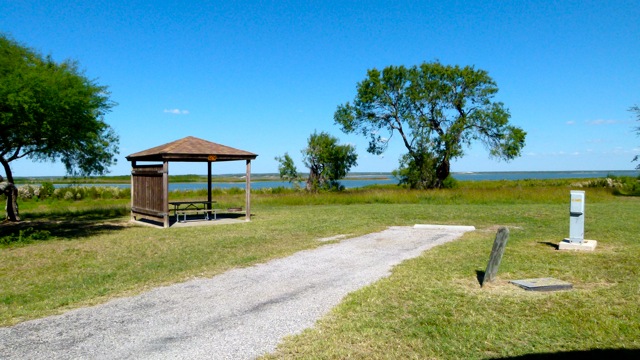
[12, 203]
[11, 192]
[442, 172]
[313, 180]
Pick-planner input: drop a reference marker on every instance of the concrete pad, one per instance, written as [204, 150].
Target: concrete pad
[219, 221]
[190, 222]
[587, 245]
[444, 227]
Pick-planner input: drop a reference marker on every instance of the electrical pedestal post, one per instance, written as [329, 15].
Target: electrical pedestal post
[576, 240]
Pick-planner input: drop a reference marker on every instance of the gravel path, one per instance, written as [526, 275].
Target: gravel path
[240, 314]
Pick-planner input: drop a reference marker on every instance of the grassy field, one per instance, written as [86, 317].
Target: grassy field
[430, 307]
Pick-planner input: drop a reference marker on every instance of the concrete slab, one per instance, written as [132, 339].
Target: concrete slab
[220, 221]
[587, 245]
[444, 227]
[193, 221]
[542, 284]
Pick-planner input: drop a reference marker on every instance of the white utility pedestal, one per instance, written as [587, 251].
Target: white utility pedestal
[576, 240]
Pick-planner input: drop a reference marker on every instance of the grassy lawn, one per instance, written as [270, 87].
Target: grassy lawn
[430, 307]
[433, 306]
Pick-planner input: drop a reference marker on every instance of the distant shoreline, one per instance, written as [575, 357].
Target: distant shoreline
[370, 176]
[240, 178]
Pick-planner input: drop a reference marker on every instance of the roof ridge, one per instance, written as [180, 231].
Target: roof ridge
[191, 146]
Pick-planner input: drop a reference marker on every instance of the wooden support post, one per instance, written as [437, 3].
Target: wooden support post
[496, 255]
[165, 192]
[209, 186]
[133, 189]
[248, 191]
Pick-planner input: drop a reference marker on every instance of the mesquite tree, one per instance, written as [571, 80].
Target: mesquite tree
[50, 111]
[437, 110]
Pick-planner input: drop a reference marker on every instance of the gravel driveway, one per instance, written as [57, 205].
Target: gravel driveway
[240, 314]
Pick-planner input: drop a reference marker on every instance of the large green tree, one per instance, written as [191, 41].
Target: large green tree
[327, 160]
[438, 111]
[51, 111]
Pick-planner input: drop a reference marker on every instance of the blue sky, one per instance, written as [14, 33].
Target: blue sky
[263, 75]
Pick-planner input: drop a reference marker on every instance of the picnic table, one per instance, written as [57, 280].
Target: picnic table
[193, 207]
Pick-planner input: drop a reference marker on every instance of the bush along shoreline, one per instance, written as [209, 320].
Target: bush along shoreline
[620, 185]
[47, 190]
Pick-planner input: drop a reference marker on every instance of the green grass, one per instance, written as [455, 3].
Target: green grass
[434, 307]
[430, 307]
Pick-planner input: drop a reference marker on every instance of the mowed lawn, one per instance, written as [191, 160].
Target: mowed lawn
[430, 307]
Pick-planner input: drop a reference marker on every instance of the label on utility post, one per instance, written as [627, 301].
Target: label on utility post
[577, 202]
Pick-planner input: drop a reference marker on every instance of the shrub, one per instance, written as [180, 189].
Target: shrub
[116, 192]
[628, 186]
[68, 195]
[235, 191]
[450, 183]
[125, 193]
[25, 192]
[105, 193]
[87, 192]
[276, 190]
[46, 190]
[58, 193]
[92, 192]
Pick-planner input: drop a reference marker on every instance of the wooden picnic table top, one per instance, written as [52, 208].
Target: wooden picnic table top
[194, 202]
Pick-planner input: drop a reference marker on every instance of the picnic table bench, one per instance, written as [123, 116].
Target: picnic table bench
[192, 207]
[197, 207]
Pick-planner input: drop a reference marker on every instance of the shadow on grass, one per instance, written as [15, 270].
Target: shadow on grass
[480, 276]
[91, 214]
[548, 243]
[62, 225]
[584, 354]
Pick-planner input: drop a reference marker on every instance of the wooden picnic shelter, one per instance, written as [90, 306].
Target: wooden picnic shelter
[150, 182]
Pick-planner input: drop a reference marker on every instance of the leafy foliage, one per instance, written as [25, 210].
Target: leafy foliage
[51, 111]
[437, 110]
[417, 173]
[626, 185]
[46, 189]
[327, 161]
[288, 171]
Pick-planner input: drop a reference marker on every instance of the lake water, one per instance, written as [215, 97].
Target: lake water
[388, 179]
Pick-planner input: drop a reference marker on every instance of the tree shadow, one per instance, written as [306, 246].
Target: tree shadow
[95, 214]
[582, 354]
[59, 229]
[62, 225]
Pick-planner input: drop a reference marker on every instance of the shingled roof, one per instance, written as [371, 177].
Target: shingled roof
[191, 149]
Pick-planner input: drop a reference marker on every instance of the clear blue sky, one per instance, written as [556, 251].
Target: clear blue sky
[263, 75]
